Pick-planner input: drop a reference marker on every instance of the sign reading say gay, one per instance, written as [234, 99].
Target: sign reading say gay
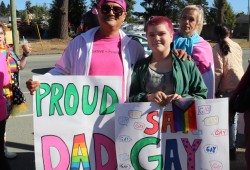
[149, 136]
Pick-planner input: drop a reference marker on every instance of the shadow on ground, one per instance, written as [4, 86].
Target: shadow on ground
[25, 160]
[20, 146]
[41, 70]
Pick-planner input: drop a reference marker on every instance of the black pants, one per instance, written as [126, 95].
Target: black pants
[4, 165]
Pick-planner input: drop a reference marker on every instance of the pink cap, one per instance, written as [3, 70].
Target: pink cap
[122, 3]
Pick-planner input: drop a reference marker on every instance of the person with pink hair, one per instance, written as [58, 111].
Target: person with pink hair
[163, 77]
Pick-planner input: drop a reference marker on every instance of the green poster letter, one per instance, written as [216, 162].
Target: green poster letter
[56, 94]
[104, 109]
[71, 91]
[40, 96]
[88, 108]
[139, 145]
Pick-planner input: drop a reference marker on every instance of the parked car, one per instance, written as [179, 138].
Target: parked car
[142, 40]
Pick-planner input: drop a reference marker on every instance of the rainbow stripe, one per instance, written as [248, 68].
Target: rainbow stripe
[13, 65]
[184, 115]
[82, 156]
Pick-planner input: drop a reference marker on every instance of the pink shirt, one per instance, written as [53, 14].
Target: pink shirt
[106, 58]
[4, 80]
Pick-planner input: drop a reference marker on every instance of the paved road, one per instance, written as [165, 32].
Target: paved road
[20, 129]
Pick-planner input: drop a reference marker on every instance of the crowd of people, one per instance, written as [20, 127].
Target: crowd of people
[156, 78]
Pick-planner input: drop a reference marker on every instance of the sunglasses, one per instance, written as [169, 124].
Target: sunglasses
[105, 9]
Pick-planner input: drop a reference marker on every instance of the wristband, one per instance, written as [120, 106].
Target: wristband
[25, 54]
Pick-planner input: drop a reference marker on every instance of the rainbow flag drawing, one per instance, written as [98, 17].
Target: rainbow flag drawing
[184, 114]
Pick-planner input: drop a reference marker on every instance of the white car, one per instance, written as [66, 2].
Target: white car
[142, 40]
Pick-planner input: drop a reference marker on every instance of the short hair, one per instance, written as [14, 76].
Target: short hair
[200, 16]
[157, 20]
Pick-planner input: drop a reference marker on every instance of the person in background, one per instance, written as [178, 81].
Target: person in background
[163, 77]
[14, 64]
[243, 84]
[188, 38]
[4, 80]
[89, 20]
[228, 72]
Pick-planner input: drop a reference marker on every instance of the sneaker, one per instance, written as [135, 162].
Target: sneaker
[9, 155]
[232, 154]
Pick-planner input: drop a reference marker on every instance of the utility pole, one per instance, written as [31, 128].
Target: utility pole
[248, 21]
[14, 26]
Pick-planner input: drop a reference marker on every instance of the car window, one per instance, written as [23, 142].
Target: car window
[143, 41]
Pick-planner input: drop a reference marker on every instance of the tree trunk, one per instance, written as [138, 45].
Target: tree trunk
[64, 20]
[221, 4]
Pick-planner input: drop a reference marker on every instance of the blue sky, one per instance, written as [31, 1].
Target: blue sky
[237, 5]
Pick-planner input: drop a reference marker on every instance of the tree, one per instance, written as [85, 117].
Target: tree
[58, 24]
[76, 9]
[203, 4]
[40, 12]
[28, 5]
[2, 9]
[7, 10]
[212, 16]
[130, 8]
[228, 16]
[170, 8]
[220, 7]
[239, 14]
[63, 32]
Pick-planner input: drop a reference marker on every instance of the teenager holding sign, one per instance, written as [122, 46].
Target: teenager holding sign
[163, 77]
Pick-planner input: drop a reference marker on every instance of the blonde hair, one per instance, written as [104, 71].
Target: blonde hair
[200, 16]
[4, 31]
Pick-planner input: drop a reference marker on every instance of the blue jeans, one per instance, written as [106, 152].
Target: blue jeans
[233, 132]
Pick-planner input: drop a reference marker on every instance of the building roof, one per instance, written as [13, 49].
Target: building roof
[242, 19]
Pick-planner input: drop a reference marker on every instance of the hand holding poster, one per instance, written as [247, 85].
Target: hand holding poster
[74, 128]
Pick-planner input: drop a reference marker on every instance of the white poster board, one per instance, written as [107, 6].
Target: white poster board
[74, 122]
[142, 142]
